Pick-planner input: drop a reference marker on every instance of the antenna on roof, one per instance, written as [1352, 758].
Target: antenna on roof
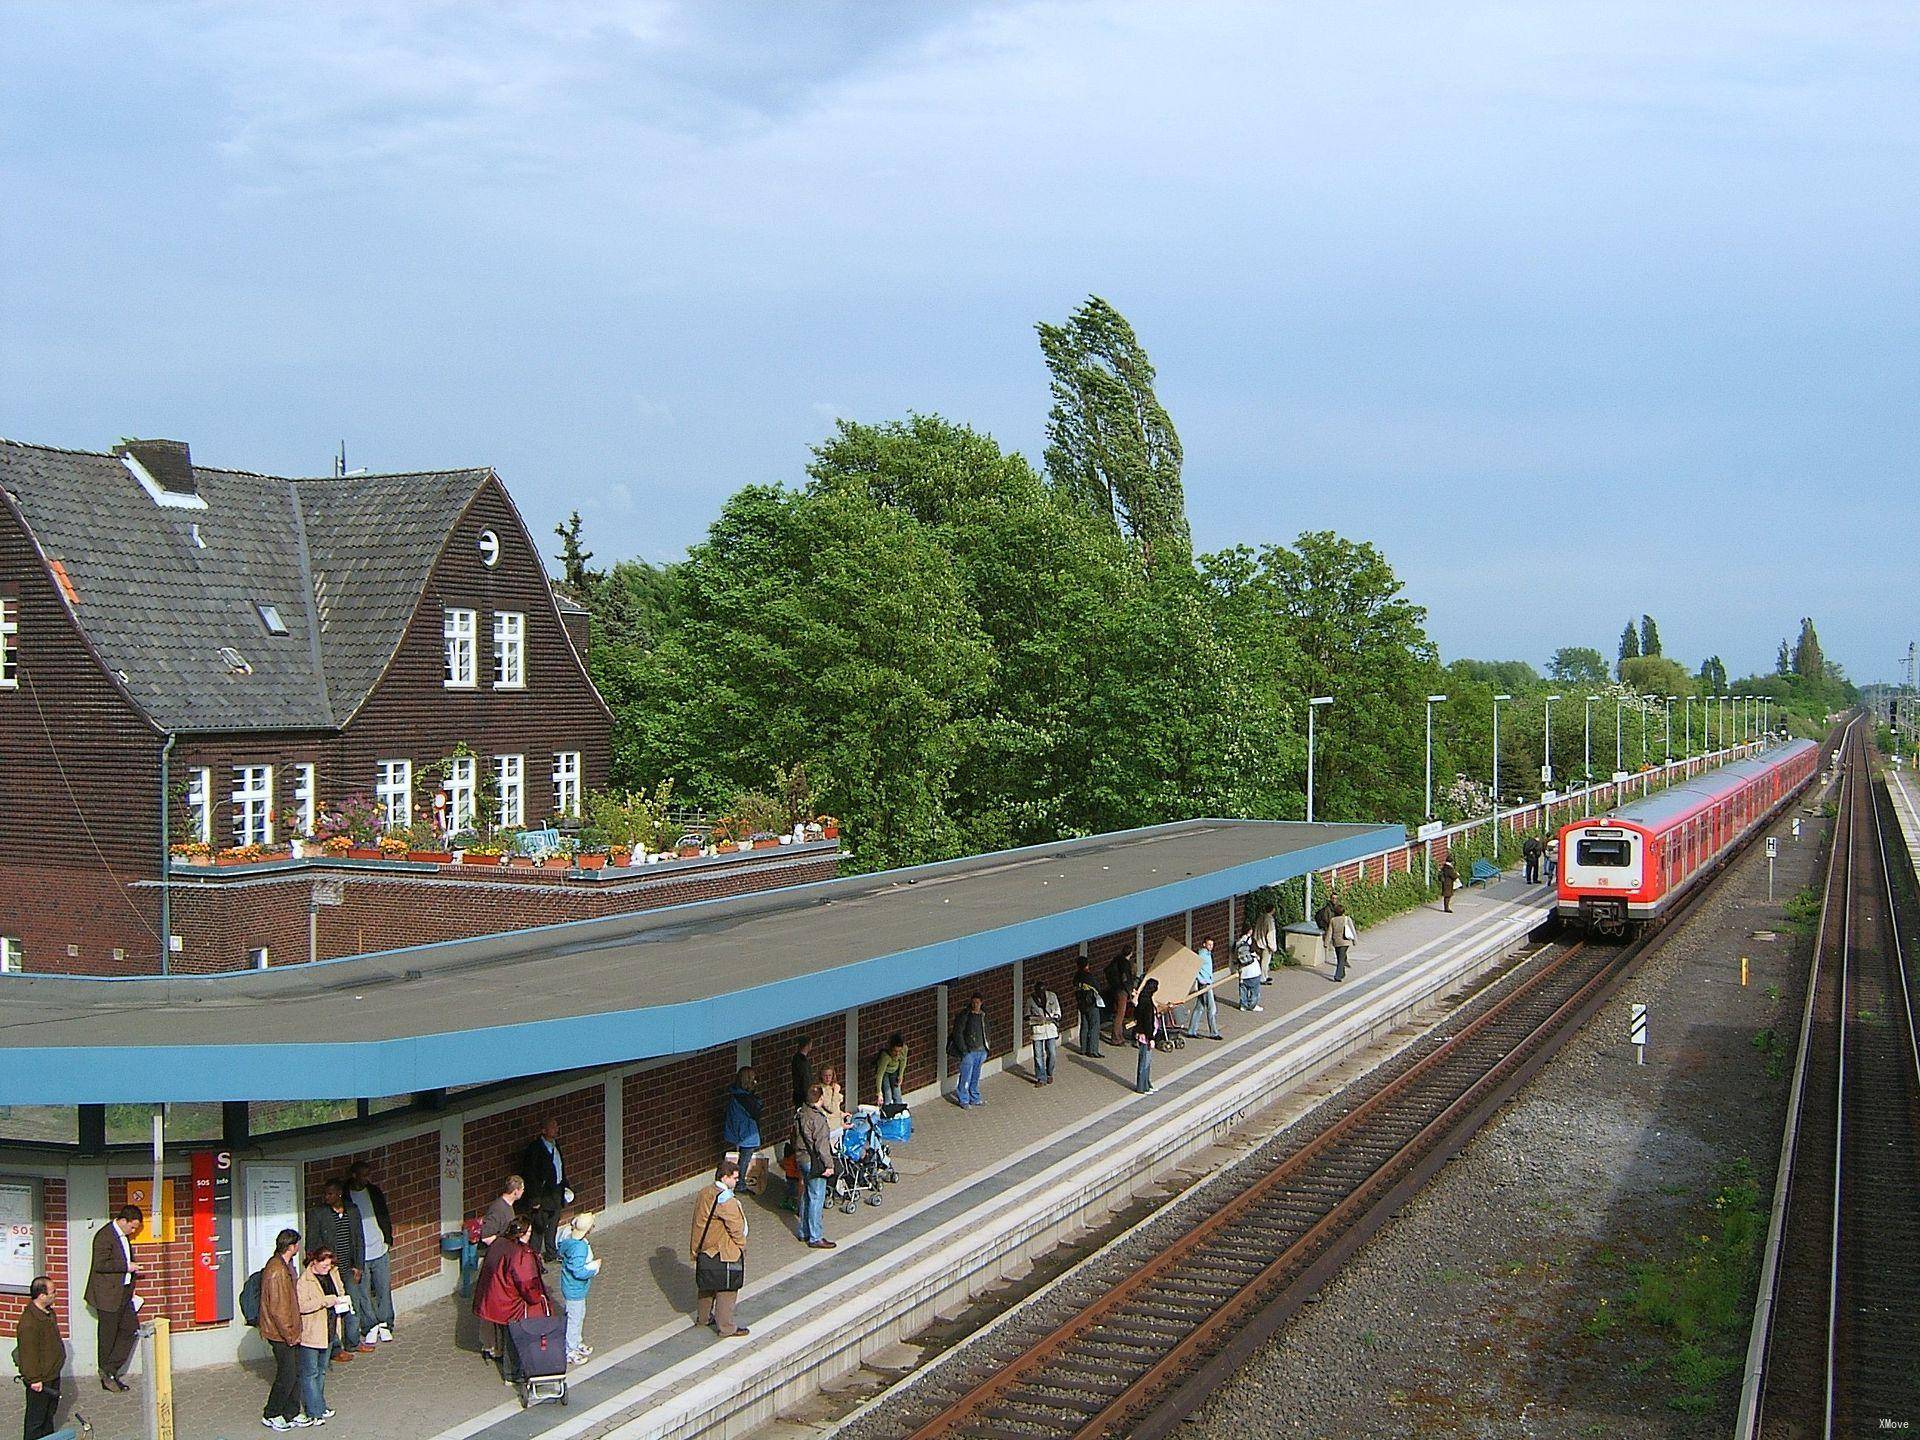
[340, 461]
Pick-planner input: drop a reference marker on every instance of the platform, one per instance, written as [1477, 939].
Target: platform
[1905, 792]
[981, 1191]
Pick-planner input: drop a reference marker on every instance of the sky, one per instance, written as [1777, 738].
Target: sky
[1578, 311]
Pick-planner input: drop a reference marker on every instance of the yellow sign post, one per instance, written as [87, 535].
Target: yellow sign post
[157, 1221]
[162, 1378]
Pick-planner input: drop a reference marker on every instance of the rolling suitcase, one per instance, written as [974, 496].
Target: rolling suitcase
[540, 1350]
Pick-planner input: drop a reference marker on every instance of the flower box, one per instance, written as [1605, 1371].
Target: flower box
[771, 843]
[688, 852]
[472, 859]
[620, 859]
[555, 862]
[829, 832]
[365, 852]
[592, 861]
[430, 857]
[520, 862]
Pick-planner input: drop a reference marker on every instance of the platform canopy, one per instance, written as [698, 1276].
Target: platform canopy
[625, 987]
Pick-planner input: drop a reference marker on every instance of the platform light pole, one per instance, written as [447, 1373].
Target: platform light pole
[1313, 704]
[1587, 759]
[1546, 749]
[1619, 731]
[1426, 817]
[1669, 740]
[1689, 723]
[1497, 701]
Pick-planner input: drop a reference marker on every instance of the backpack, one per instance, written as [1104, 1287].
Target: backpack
[250, 1299]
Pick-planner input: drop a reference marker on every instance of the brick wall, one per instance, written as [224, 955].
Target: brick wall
[168, 1281]
[671, 1118]
[492, 1146]
[221, 918]
[52, 907]
[409, 1172]
[53, 1260]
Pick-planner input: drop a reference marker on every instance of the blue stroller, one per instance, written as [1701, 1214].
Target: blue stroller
[863, 1164]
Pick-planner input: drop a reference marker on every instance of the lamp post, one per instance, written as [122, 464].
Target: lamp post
[1313, 704]
[1426, 816]
[1669, 739]
[1641, 704]
[1689, 721]
[1546, 749]
[1619, 731]
[1496, 775]
[1588, 748]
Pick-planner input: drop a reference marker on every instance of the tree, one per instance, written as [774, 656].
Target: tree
[1808, 662]
[1783, 662]
[1514, 675]
[1649, 636]
[1656, 675]
[574, 557]
[1110, 444]
[1629, 642]
[1577, 665]
[1713, 675]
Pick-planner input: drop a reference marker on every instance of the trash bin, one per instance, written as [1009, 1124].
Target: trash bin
[1304, 945]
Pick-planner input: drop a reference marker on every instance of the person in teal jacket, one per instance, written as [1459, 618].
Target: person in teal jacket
[578, 1266]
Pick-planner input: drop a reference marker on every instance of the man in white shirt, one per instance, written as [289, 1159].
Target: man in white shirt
[374, 1295]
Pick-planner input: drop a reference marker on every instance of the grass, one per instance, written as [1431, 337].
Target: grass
[1775, 994]
[1698, 1299]
[1803, 909]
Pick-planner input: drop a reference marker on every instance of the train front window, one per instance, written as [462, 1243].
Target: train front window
[1604, 854]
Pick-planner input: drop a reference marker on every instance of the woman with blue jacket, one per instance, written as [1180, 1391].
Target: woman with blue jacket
[578, 1266]
[741, 1126]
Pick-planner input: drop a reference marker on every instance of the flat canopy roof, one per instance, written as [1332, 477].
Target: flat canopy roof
[624, 987]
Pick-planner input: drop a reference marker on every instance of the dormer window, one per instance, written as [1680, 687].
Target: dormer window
[270, 617]
[457, 629]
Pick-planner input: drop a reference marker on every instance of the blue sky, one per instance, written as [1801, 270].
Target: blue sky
[1577, 310]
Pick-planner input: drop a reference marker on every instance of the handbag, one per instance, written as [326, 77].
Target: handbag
[711, 1274]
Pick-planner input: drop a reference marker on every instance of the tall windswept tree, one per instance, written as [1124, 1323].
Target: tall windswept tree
[574, 556]
[1783, 662]
[1577, 665]
[1649, 636]
[1110, 445]
[1713, 675]
[1808, 662]
[1630, 642]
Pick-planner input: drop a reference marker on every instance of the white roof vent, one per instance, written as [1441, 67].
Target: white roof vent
[235, 662]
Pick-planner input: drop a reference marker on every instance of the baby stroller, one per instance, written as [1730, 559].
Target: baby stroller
[863, 1164]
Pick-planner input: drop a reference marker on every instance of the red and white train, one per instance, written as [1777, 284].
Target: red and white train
[1632, 867]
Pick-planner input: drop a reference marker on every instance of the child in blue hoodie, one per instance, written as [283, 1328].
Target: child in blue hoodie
[578, 1266]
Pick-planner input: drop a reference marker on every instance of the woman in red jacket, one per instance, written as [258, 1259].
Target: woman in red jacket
[509, 1287]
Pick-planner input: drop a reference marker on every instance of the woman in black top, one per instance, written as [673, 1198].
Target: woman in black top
[1146, 1017]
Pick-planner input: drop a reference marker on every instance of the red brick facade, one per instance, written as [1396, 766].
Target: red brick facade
[222, 918]
[408, 1172]
[671, 1118]
[492, 1146]
[53, 1230]
[914, 1018]
[167, 1282]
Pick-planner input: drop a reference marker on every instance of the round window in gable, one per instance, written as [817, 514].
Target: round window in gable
[489, 549]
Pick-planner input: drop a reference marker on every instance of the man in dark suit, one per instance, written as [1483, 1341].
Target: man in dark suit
[544, 1170]
[110, 1284]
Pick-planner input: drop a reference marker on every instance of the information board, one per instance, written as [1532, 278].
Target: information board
[19, 1235]
[273, 1205]
[212, 1236]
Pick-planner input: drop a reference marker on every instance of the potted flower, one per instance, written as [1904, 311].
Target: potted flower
[483, 852]
[359, 821]
[238, 855]
[829, 828]
[337, 847]
[562, 857]
[763, 840]
[388, 847]
[194, 852]
[591, 850]
[425, 846]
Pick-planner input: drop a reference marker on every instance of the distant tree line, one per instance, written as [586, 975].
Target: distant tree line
[951, 651]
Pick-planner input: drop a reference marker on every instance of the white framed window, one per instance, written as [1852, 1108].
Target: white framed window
[458, 631]
[9, 643]
[459, 793]
[566, 782]
[9, 955]
[259, 957]
[200, 805]
[510, 788]
[509, 650]
[393, 792]
[303, 801]
[253, 804]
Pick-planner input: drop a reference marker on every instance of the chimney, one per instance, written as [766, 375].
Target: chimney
[168, 462]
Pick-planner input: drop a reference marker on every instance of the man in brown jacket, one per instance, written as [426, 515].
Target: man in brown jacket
[110, 1284]
[720, 1232]
[42, 1356]
[280, 1328]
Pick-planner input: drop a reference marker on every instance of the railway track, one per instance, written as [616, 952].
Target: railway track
[1836, 1336]
[1142, 1355]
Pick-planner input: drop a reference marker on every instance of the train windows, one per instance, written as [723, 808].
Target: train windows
[1610, 854]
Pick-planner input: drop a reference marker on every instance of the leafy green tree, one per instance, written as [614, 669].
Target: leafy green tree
[574, 556]
[1808, 662]
[1577, 665]
[1783, 661]
[1649, 636]
[1630, 642]
[1503, 675]
[1713, 676]
[1110, 444]
[1656, 675]
[820, 629]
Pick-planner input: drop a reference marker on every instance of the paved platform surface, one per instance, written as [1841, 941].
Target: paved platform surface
[432, 1383]
[1905, 790]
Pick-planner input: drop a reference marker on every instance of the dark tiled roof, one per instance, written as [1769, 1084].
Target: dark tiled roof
[172, 614]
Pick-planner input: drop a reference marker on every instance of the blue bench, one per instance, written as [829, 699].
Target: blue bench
[1482, 871]
[537, 843]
